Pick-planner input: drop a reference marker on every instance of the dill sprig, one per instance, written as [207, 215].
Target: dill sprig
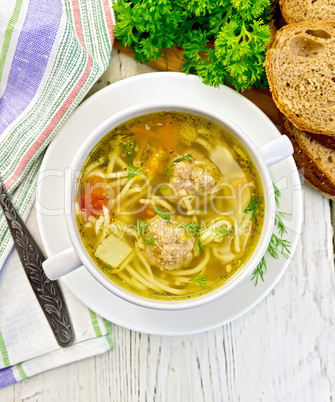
[182, 158]
[106, 266]
[133, 171]
[277, 245]
[252, 207]
[223, 232]
[192, 228]
[277, 194]
[163, 213]
[279, 222]
[259, 271]
[141, 227]
[199, 247]
[150, 241]
[168, 169]
[164, 189]
[129, 149]
[200, 280]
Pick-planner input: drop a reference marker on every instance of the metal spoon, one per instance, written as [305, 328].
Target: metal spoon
[47, 292]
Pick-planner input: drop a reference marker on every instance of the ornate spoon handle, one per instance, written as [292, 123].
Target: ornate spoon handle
[47, 292]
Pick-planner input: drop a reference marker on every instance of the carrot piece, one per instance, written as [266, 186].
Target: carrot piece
[158, 156]
[167, 134]
[164, 135]
[148, 212]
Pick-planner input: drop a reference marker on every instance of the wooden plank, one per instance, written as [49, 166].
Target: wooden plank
[282, 350]
[173, 62]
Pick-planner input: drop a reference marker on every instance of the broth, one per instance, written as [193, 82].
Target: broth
[169, 205]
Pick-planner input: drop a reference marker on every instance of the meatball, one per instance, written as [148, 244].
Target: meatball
[173, 247]
[191, 177]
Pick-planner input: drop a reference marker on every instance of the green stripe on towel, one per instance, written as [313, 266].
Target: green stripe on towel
[95, 323]
[109, 331]
[19, 368]
[8, 34]
[3, 351]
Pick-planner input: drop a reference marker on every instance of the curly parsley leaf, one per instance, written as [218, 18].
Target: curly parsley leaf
[224, 41]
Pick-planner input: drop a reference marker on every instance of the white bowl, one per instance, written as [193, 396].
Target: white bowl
[76, 256]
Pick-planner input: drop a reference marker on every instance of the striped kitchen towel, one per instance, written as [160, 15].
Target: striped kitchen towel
[52, 52]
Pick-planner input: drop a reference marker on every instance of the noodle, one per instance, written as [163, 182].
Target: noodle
[98, 173]
[211, 233]
[126, 188]
[157, 200]
[98, 225]
[237, 243]
[138, 285]
[93, 165]
[115, 175]
[204, 143]
[125, 262]
[179, 242]
[133, 199]
[155, 284]
[118, 182]
[120, 162]
[106, 215]
[150, 284]
[145, 263]
[111, 163]
[224, 258]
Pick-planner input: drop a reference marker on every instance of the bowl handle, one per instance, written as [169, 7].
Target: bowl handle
[61, 264]
[276, 150]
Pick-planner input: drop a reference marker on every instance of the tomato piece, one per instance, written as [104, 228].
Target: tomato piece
[94, 196]
[99, 198]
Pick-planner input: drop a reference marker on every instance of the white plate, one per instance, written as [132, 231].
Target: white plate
[50, 197]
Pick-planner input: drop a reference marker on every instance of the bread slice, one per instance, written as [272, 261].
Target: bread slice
[307, 10]
[325, 140]
[314, 160]
[300, 67]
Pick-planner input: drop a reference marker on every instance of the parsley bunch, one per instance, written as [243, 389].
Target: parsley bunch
[224, 41]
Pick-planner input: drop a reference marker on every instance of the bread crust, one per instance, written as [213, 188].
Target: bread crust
[325, 140]
[300, 67]
[307, 10]
[308, 163]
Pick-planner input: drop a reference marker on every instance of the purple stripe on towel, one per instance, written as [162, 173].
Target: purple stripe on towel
[6, 377]
[30, 59]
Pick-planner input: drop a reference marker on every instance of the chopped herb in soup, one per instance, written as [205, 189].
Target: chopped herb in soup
[169, 205]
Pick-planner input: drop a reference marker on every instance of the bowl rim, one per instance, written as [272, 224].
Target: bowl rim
[179, 106]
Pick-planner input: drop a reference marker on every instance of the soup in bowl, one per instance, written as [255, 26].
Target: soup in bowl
[169, 206]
